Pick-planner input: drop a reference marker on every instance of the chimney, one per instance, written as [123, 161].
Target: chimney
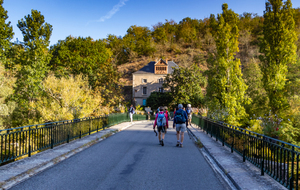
[166, 61]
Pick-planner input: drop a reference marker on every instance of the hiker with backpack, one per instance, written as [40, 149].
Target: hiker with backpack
[181, 120]
[189, 113]
[161, 120]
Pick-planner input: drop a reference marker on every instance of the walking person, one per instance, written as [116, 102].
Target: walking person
[189, 114]
[166, 111]
[131, 112]
[181, 121]
[174, 118]
[161, 120]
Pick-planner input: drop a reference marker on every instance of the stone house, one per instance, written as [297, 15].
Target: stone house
[150, 79]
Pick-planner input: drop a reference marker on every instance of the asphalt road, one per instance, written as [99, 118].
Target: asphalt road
[131, 159]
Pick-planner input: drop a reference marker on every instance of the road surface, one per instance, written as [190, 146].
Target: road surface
[131, 159]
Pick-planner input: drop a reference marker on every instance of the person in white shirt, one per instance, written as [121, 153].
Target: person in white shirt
[131, 112]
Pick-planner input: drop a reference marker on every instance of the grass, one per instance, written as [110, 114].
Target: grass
[199, 144]
[107, 135]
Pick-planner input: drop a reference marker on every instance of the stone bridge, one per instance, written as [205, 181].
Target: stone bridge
[128, 156]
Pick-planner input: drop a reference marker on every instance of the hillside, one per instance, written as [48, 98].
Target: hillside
[185, 59]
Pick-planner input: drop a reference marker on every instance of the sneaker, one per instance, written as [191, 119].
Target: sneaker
[181, 145]
[177, 144]
[159, 142]
[162, 143]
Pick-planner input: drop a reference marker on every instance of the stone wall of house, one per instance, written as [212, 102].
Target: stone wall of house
[152, 85]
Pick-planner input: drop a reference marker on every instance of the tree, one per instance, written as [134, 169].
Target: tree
[185, 85]
[117, 47]
[293, 79]
[6, 80]
[74, 56]
[226, 87]
[34, 65]
[6, 33]
[139, 40]
[187, 30]
[159, 34]
[157, 99]
[66, 99]
[279, 49]
[252, 76]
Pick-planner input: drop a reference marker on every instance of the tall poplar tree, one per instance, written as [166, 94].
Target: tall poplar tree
[226, 87]
[34, 62]
[279, 49]
[6, 33]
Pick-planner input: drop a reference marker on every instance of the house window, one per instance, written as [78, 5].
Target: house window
[144, 80]
[161, 80]
[144, 102]
[161, 89]
[144, 90]
[161, 68]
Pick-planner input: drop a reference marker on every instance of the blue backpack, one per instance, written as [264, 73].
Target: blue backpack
[188, 111]
[179, 116]
[161, 120]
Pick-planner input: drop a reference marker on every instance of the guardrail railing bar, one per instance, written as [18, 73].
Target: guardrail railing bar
[277, 158]
[24, 141]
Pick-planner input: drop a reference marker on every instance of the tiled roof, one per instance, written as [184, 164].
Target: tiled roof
[149, 68]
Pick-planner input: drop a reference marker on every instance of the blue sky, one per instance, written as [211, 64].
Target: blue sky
[98, 18]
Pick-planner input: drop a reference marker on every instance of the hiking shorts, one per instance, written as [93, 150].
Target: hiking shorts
[190, 116]
[161, 129]
[181, 127]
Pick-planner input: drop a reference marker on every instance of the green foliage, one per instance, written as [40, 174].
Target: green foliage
[33, 63]
[79, 55]
[159, 34]
[251, 22]
[185, 85]
[187, 30]
[252, 76]
[66, 99]
[226, 87]
[163, 33]
[157, 99]
[139, 108]
[74, 56]
[7, 82]
[6, 33]
[85, 69]
[6, 79]
[139, 40]
[117, 47]
[290, 131]
[219, 114]
[293, 79]
[279, 49]
[271, 124]
[255, 126]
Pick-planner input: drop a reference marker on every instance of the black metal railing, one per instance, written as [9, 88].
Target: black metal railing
[277, 158]
[23, 141]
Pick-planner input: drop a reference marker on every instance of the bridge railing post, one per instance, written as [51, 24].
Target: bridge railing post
[292, 169]
[263, 156]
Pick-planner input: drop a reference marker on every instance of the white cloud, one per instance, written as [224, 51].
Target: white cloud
[114, 10]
